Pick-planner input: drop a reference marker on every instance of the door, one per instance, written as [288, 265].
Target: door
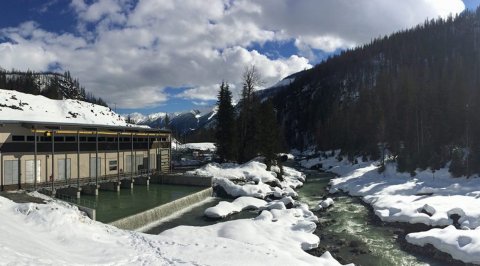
[11, 172]
[30, 171]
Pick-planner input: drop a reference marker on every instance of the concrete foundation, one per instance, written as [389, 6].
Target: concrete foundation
[90, 190]
[69, 191]
[142, 180]
[186, 180]
[127, 183]
[111, 186]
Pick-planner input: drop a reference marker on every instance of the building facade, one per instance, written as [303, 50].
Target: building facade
[35, 155]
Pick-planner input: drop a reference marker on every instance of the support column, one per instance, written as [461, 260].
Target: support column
[118, 156]
[35, 158]
[78, 159]
[148, 153]
[96, 157]
[132, 159]
[52, 177]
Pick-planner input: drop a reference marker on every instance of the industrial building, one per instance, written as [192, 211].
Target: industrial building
[37, 155]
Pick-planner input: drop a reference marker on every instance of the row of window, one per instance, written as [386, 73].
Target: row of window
[21, 138]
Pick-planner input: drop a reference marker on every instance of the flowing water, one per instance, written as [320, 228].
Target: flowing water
[349, 232]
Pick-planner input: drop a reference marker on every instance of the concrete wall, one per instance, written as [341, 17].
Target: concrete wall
[145, 218]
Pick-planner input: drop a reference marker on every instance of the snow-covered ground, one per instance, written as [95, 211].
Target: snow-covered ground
[17, 106]
[201, 146]
[58, 234]
[428, 198]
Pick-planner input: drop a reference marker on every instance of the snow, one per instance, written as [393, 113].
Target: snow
[324, 204]
[225, 208]
[427, 198]
[463, 245]
[252, 179]
[17, 106]
[59, 234]
[201, 146]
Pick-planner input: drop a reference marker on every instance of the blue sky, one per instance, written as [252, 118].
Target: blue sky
[154, 55]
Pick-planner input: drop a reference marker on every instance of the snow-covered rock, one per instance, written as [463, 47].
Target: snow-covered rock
[463, 245]
[225, 208]
[324, 204]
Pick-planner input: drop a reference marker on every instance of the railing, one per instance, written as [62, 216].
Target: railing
[82, 202]
[88, 180]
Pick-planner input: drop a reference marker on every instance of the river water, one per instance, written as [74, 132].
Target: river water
[347, 229]
[349, 232]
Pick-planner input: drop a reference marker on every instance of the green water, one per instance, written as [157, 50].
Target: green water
[112, 205]
[348, 232]
[195, 217]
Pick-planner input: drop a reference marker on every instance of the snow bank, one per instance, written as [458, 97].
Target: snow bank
[252, 179]
[17, 106]
[58, 234]
[463, 245]
[201, 146]
[427, 198]
[225, 208]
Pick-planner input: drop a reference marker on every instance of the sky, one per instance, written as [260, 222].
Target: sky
[170, 55]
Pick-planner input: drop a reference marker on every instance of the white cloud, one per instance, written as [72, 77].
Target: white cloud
[137, 49]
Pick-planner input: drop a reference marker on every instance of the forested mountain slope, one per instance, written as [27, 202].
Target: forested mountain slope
[417, 91]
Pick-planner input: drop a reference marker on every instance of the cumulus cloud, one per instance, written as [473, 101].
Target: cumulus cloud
[128, 51]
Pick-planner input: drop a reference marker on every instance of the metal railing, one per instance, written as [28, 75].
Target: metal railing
[88, 180]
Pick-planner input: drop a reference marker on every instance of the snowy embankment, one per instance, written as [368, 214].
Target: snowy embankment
[252, 179]
[435, 199]
[58, 234]
[17, 106]
[200, 146]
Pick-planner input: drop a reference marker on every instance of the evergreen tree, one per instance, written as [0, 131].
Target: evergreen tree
[225, 131]
[166, 122]
[268, 137]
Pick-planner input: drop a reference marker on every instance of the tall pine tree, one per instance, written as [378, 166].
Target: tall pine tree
[225, 133]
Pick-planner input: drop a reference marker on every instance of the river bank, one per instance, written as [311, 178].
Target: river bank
[432, 209]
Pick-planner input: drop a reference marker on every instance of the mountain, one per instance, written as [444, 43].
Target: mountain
[49, 84]
[18, 106]
[181, 123]
[415, 92]
[192, 121]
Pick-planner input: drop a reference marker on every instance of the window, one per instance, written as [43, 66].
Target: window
[64, 169]
[111, 139]
[91, 139]
[102, 139]
[32, 138]
[46, 139]
[83, 139]
[30, 171]
[59, 138]
[126, 139]
[18, 138]
[70, 139]
[10, 172]
[113, 165]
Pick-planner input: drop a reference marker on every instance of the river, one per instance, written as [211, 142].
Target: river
[348, 229]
